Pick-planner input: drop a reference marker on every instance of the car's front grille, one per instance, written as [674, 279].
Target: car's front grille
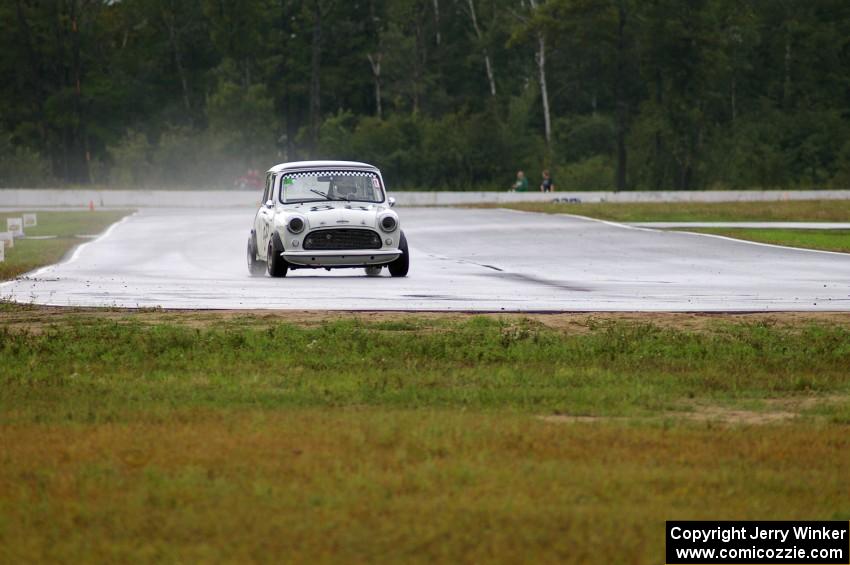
[342, 239]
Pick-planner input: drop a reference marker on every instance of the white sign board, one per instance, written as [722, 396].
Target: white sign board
[16, 226]
[30, 220]
[7, 239]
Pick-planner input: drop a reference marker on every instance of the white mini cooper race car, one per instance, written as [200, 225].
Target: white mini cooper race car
[328, 215]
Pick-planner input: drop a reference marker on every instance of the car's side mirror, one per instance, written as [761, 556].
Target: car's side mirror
[269, 203]
[391, 201]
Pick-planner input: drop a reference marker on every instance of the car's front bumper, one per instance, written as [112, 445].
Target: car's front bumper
[341, 258]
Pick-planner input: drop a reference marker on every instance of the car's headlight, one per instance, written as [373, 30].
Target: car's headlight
[388, 223]
[295, 224]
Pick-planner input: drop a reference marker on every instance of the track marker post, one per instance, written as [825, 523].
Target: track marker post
[16, 226]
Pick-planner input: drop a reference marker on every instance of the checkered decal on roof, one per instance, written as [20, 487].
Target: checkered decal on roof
[330, 173]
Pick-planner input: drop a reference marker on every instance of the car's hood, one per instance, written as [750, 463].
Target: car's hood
[339, 214]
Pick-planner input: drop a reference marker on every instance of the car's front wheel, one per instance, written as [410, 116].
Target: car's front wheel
[400, 266]
[275, 264]
[255, 266]
[374, 270]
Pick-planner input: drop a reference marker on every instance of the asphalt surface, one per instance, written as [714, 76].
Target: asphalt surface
[461, 259]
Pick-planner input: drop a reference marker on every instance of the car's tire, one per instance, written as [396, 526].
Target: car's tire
[374, 270]
[275, 264]
[400, 266]
[255, 266]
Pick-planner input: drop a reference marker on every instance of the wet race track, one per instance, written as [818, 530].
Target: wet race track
[461, 259]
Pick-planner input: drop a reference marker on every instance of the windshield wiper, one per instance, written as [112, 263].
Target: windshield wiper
[329, 197]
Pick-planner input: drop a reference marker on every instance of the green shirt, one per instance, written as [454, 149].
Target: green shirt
[521, 185]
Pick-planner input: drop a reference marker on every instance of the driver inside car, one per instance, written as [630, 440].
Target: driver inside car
[344, 189]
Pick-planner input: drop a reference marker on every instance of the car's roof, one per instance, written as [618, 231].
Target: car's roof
[299, 165]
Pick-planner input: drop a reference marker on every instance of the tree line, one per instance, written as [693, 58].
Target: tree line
[606, 94]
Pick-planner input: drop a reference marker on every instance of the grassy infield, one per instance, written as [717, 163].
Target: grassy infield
[155, 436]
[29, 254]
[790, 211]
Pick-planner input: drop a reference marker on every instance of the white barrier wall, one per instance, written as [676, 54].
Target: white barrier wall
[61, 198]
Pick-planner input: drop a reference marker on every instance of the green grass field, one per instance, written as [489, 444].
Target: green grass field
[152, 436]
[790, 211]
[177, 437]
[787, 210]
[826, 240]
[29, 254]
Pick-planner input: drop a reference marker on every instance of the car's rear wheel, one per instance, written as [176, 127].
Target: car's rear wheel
[374, 270]
[255, 266]
[275, 264]
[400, 266]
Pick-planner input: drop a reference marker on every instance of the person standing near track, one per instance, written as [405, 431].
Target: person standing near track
[521, 184]
[548, 185]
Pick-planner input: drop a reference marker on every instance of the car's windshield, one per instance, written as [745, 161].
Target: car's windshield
[314, 186]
